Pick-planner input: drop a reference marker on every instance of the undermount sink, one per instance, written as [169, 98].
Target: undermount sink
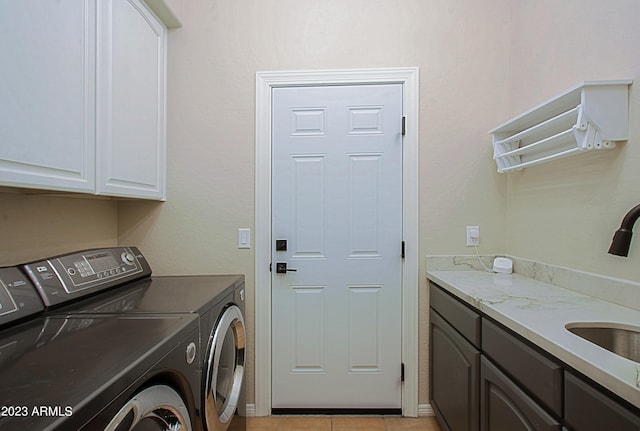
[621, 339]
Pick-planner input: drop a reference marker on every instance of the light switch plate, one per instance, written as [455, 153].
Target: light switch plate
[244, 238]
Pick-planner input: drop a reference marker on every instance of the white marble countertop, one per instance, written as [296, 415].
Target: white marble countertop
[539, 311]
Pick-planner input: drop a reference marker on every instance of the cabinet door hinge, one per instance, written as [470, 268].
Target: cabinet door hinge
[270, 267]
[404, 126]
[402, 372]
[402, 250]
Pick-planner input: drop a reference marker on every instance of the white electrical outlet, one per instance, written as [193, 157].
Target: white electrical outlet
[473, 236]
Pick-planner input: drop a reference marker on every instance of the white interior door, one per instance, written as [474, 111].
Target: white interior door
[337, 201]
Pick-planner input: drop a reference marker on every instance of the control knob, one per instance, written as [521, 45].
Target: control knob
[128, 258]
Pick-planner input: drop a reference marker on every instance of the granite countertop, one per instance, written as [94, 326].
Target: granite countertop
[539, 311]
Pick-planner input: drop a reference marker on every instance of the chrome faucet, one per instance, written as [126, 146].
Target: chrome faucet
[622, 238]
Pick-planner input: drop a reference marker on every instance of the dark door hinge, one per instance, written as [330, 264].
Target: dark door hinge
[403, 249]
[404, 126]
[270, 267]
[402, 372]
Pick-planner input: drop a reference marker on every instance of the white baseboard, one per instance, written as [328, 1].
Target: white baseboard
[250, 410]
[425, 410]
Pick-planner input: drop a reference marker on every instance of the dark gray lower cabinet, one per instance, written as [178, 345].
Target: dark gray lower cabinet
[587, 409]
[455, 372]
[505, 407]
[484, 378]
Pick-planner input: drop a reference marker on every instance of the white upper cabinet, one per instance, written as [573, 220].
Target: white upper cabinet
[47, 94]
[131, 101]
[82, 97]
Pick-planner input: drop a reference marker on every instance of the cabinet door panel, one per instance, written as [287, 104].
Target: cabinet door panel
[47, 95]
[505, 407]
[454, 370]
[131, 100]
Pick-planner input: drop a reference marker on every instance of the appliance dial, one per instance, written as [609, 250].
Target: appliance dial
[128, 258]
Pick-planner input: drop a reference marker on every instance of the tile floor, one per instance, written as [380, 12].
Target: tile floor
[341, 423]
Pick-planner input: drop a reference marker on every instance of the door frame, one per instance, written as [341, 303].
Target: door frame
[265, 82]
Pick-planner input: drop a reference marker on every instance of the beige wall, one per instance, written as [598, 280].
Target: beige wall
[566, 212]
[38, 225]
[460, 48]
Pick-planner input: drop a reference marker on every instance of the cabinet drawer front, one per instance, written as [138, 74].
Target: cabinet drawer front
[586, 409]
[462, 318]
[504, 406]
[541, 376]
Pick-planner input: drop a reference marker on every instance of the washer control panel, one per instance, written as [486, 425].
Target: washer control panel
[18, 298]
[68, 277]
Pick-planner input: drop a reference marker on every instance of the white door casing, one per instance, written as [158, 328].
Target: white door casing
[265, 83]
[337, 201]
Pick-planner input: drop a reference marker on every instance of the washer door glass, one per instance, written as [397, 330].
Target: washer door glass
[157, 408]
[225, 369]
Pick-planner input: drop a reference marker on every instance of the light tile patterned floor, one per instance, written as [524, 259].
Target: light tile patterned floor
[341, 423]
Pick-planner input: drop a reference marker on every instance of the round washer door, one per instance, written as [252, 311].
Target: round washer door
[155, 408]
[224, 369]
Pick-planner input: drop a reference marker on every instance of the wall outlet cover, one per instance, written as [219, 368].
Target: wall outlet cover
[473, 236]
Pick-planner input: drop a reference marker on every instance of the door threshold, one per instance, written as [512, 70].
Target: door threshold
[335, 412]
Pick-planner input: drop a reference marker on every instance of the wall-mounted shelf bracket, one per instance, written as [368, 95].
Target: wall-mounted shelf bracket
[592, 115]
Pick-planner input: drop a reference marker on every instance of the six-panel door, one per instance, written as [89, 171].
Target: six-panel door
[337, 200]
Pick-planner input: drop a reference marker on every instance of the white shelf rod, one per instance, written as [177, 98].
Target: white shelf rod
[528, 148]
[560, 155]
[540, 126]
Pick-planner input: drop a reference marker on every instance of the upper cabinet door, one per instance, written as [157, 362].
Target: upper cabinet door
[131, 101]
[47, 94]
